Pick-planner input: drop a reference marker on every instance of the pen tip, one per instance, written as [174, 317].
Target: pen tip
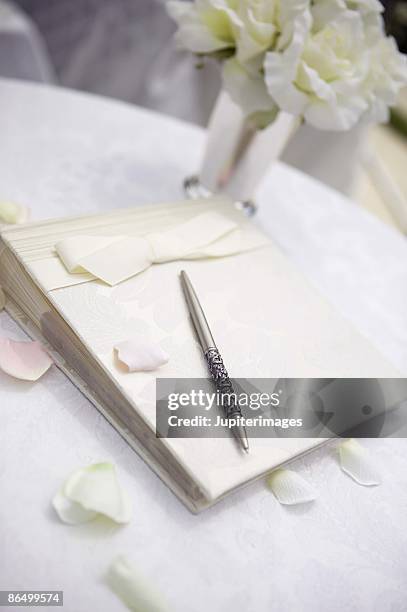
[241, 436]
[244, 443]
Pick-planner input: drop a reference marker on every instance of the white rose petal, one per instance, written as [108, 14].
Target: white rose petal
[10, 212]
[366, 5]
[204, 26]
[258, 29]
[247, 91]
[92, 491]
[125, 580]
[281, 70]
[290, 488]
[70, 512]
[357, 463]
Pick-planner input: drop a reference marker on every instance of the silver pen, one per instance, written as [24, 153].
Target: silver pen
[214, 361]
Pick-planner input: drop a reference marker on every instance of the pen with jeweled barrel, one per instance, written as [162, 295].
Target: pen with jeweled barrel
[214, 361]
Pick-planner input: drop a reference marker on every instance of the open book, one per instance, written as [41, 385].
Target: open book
[267, 320]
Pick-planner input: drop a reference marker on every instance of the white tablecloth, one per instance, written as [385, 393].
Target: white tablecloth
[64, 153]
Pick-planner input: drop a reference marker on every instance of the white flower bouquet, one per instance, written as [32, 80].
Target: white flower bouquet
[326, 61]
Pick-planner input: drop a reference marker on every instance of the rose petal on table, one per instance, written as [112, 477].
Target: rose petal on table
[356, 461]
[23, 360]
[96, 490]
[290, 488]
[140, 355]
[10, 212]
[71, 512]
[2, 299]
[134, 591]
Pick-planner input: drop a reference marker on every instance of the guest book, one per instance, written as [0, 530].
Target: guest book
[81, 285]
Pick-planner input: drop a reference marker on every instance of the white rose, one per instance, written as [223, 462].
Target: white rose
[264, 24]
[326, 60]
[387, 74]
[339, 71]
[247, 27]
[245, 30]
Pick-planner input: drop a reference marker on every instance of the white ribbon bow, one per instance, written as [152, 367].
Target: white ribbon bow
[114, 259]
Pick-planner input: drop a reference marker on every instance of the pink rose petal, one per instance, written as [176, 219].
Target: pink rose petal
[140, 355]
[24, 360]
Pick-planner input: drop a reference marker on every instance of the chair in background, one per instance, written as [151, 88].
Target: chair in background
[22, 51]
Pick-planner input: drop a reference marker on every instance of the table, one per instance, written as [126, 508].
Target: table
[69, 153]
